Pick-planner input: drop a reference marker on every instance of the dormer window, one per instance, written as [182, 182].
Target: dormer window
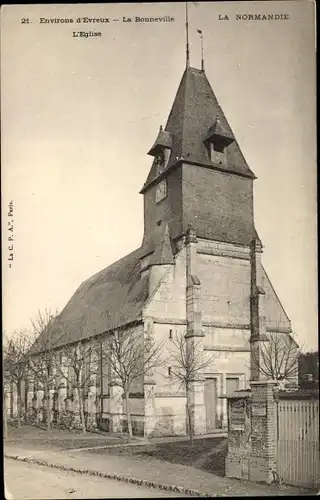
[217, 141]
[160, 158]
[161, 150]
[217, 152]
[160, 161]
[219, 145]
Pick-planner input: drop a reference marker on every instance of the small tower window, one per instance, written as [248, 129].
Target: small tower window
[217, 152]
[159, 162]
[170, 334]
[218, 146]
[160, 158]
[169, 371]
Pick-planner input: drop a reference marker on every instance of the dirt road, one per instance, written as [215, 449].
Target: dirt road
[25, 481]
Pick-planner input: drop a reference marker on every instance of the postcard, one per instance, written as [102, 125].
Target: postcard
[159, 254]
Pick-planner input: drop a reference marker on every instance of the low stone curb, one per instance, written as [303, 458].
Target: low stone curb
[132, 480]
[104, 446]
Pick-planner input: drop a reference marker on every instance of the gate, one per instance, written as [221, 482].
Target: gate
[298, 442]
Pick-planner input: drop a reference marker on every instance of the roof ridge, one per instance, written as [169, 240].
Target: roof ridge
[184, 113]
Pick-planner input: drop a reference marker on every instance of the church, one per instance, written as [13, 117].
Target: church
[198, 273]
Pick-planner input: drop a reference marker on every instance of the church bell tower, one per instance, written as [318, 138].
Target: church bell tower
[198, 176]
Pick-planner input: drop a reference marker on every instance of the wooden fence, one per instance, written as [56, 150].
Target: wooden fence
[298, 442]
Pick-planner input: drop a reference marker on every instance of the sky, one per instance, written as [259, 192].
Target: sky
[80, 114]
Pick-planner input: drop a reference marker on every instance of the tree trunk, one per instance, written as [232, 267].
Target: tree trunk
[81, 405]
[47, 397]
[19, 403]
[189, 413]
[126, 393]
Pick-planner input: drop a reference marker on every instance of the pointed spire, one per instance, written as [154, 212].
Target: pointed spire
[187, 38]
[194, 118]
[163, 251]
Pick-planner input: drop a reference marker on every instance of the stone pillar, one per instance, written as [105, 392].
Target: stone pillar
[7, 393]
[8, 402]
[150, 417]
[149, 384]
[263, 458]
[39, 405]
[116, 406]
[91, 404]
[116, 396]
[62, 397]
[194, 335]
[30, 395]
[14, 407]
[224, 403]
[257, 311]
[194, 317]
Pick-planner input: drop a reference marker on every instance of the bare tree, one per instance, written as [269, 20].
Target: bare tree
[186, 364]
[78, 366]
[277, 358]
[42, 356]
[15, 363]
[130, 356]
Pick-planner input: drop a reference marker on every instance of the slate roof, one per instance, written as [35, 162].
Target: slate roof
[195, 110]
[164, 139]
[113, 297]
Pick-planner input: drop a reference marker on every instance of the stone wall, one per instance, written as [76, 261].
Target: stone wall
[170, 416]
[168, 301]
[225, 289]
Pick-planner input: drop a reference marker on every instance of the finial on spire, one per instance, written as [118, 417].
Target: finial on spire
[187, 38]
[160, 127]
[201, 38]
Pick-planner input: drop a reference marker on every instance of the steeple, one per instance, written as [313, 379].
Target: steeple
[199, 174]
[194, 112]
